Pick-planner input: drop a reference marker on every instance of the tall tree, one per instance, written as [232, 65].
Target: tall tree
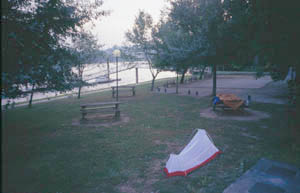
[140, 37]
[33, 43]
[85, 52]
[266, 32]
[196, 34]
[174, 47]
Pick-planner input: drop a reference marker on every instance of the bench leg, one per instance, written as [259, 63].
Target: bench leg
[83, 116]
[113, 94]
[117, 114]
[133, 92]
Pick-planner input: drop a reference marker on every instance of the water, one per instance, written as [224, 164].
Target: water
[98, 72]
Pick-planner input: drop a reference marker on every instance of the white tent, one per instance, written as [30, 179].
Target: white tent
[198, 152]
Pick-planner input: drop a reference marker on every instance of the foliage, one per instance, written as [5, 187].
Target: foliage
[232, 32]
[33, 44]
[142, 41]
[85, 50]
[266, 29]
[192, 34]
[174, 46]
[267, 32]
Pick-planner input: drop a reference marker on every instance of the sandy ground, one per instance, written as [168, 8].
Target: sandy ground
[261, 90]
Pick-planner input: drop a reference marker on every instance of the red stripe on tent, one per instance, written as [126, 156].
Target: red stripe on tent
[185, 173]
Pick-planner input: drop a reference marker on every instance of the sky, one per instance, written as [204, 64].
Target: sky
[111, 29]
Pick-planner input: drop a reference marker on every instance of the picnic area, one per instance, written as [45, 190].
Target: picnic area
[179, 96]
[47, 148]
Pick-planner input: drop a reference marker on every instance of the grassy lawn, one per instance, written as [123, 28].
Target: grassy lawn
[43, 152]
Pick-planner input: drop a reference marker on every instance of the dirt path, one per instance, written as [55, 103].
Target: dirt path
[261, 90]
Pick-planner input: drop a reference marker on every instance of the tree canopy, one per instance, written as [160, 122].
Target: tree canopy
[230, 32]
[34, 42]
[141, 39]
[85, 51]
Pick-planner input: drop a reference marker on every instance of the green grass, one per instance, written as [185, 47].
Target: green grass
[43, 152]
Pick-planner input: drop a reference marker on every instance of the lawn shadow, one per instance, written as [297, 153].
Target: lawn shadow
[98, 119]
[238, 115]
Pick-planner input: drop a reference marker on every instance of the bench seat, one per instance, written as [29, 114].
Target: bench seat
[104, 108]
[221, 105]
[122, 88]
[99, 109]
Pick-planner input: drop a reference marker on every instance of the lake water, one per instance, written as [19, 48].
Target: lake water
[99, 72]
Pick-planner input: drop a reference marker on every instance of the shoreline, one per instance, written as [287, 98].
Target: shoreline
[71, 95]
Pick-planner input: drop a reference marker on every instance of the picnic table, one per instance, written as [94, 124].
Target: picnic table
[228, 101]
[121, 89]
[103, 107]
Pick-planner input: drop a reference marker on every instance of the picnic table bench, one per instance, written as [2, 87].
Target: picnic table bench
[230, 101]
[225, 107]
[103, 107]
[122, 88]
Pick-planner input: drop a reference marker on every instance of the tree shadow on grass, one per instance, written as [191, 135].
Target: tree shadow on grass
[98, 119]
[239, 115]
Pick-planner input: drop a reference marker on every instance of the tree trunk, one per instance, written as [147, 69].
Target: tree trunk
[117, 77]
[152, 84]
[153, 80]
[183, 75]
[80, 72]
[79, 91]
[214, 91]
[108, 73]
[202, 72]
[31, 96]
[297, 80]
[177, 83]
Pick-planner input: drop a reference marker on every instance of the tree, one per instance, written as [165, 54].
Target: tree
[34, 51]
[85, 52]
[174, 47]
[140, 37]
[267, 33]
[194, 34]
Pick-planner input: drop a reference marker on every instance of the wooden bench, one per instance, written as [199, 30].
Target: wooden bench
[104, 107]
[224, 107]
[122, 88]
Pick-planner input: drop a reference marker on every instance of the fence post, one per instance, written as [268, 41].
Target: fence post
[108, 73]
[137, 75]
